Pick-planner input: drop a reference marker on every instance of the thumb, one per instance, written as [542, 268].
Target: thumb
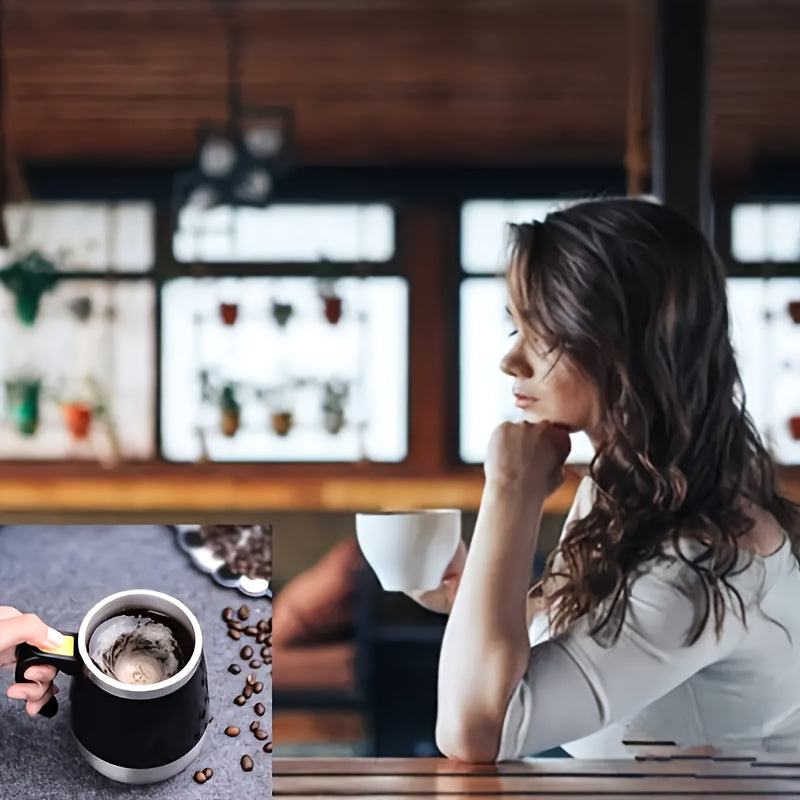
[28, 628]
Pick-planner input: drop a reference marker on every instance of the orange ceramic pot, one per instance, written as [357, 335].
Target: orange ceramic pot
[282, 423]
[333, 309]
[229, 421]
[78, 419]
[229, 312]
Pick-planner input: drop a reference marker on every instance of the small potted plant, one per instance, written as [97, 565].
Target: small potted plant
[230, 411]
[229, 313]
[282, 422]
[332, 301]
[336, 393]
[84, 404]
[28, 278]
[81, 308]
[282, 313]
[77, 417]
[22, 400]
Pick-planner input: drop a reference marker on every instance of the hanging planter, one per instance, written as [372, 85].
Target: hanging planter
[22, 398]
[794, 428]
[78, 419]
[332, 302]
[81, 308]
[282, 313]
[28, 279]
[282, 422]
[229, 312]
[230, 412]
[333, 406]
[794, 311]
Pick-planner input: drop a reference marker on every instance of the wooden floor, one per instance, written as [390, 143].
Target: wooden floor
[727, 776]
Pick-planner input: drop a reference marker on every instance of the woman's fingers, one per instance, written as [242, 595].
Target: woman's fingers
[30, 692]
[33, 707]
[41, 673]
[27, 628]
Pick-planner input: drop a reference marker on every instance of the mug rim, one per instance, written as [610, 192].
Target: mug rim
[149, 691]
[409, 512]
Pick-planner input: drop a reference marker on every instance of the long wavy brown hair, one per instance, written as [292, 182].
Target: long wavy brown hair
[635, 296]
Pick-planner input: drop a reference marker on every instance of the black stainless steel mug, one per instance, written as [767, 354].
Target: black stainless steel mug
[131, 733]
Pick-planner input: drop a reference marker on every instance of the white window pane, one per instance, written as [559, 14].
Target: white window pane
[766, 232]
[84, 236]
[277, 369]
[116, 350]
[767, 343]
[485, 391]
[133, 244]
[287, 234]
[484, 229]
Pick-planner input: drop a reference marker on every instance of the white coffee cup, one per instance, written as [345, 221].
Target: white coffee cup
[409, 550]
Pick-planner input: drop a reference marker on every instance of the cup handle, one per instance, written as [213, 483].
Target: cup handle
[62, 658]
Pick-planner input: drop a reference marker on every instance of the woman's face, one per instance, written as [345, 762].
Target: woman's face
[549, 388]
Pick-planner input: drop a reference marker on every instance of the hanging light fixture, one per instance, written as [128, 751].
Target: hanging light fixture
[237, 162]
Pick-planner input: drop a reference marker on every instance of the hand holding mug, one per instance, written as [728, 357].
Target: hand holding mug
[441, 599]
[16, 628]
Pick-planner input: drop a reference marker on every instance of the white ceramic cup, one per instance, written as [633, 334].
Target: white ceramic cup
[409, 550]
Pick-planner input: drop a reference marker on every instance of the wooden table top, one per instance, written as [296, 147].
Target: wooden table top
[663, 776]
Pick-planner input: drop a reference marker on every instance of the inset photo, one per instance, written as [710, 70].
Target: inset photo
[139, 661]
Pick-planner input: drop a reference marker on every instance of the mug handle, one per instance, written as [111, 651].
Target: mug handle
[63, 659]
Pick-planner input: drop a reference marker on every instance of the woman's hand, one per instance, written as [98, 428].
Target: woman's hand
[16, 628]
[527, 455]
[440, 600]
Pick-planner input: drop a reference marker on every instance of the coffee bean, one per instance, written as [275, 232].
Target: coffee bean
[247, 763]
[259, 709]
[251, 630]
[231, 731]
[258, 687]
[234, 634]
[246, 652]
[255, 725]
[237, 626]
[262, 625]
[251, 679]
[234, 669]
[255, 664]
[227, 614]
[209, 773]
[268, 747]
[262, 637]
[260, 734]
[244, 612]
[199, 777]
[240, 700]
[247, 691]
[266, 652]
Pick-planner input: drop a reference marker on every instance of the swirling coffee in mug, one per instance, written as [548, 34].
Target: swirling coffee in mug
[140, 647]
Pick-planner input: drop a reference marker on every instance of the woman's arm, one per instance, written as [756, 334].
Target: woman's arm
[485, 650]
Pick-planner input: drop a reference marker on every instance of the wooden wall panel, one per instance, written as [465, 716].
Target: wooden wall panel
[446, 82]
[392, 81]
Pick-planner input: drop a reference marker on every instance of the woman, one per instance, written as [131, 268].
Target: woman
[16, 628]
[671, 607]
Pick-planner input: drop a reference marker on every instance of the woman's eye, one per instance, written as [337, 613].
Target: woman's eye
[513, 332]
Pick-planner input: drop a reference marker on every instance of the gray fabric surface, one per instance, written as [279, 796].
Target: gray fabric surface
[59, 572]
